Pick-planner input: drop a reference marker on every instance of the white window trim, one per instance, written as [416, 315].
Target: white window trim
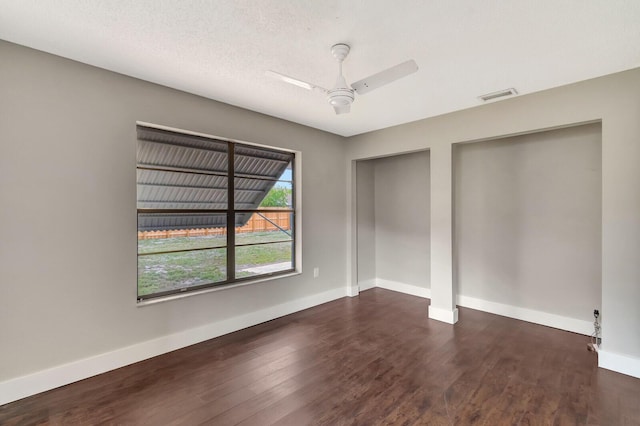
[297, 222]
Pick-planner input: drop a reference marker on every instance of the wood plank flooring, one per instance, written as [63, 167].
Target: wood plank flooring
[374, 359]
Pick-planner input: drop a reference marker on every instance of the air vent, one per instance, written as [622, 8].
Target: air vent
[498, 94]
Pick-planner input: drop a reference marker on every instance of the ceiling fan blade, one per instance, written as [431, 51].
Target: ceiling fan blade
[342, 109]
[295, 81]
[385, 77]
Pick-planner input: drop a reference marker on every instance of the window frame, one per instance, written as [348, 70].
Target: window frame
[231, 279]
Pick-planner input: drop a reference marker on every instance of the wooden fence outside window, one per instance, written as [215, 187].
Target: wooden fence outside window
[256, 223]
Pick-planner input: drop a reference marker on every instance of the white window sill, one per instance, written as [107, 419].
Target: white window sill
[212, 289]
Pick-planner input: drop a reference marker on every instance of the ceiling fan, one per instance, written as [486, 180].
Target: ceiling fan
[341, 96]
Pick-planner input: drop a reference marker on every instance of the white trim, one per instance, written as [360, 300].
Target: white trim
[538, 317]
[366, 284]
[297, 179]
[352, 291]
[31, 384]
[624, 364]
[525, 314]
[297, 217]
[404, 288]
[351, 257]
[208, 135]
[444, 315]
[156, 300]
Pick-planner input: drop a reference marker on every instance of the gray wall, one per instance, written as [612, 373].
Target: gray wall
[402, 215]
[528, 220]
[366, 223]
[615, 101]
[68, 210]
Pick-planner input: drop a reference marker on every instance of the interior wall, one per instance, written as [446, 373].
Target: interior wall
[611, 99]
[528, 214]
[68, 210]
[366, 224]
[402, 217]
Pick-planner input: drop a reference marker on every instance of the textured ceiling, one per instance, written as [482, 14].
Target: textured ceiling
[221, 49]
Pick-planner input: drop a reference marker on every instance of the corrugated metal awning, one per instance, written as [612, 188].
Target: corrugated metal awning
[186, 172]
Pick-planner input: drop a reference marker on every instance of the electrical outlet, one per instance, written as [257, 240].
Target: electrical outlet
[316, 272]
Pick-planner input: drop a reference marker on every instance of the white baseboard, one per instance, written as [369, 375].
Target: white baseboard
[611, 361]
[366, 284]
[444, 315]
[516, 312]
[352, 291]
[619, 363]
[21, 387]
[623, 364]
[404, 288]
[529, 315]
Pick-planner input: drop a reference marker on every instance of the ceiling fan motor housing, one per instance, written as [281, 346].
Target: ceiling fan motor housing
[340, 97]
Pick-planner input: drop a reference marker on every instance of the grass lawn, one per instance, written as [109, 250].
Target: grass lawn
[171, 271]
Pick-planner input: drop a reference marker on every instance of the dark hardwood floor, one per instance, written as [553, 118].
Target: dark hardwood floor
[373, 359]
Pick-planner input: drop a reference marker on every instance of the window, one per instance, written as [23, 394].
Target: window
[211, 212]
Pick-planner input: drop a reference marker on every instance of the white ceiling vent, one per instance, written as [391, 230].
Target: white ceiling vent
[499, 94]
